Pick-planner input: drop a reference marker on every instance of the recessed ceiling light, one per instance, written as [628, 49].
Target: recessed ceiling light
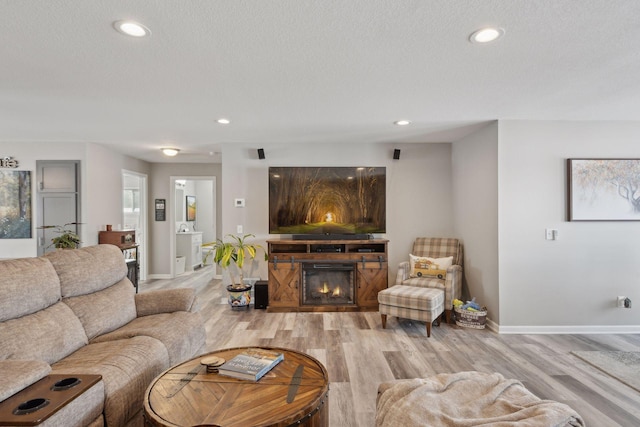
[223, 121]
[170, 151]
[131, 28]
[402, 122]
[486, 35]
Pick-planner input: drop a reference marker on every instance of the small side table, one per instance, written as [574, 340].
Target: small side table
[42, 399]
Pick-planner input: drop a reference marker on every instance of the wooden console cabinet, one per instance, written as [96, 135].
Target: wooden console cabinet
[286, 258]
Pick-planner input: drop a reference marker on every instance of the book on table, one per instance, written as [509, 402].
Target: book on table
[251, 364]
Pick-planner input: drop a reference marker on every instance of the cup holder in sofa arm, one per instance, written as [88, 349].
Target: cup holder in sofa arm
[65, 384]
[31, 406]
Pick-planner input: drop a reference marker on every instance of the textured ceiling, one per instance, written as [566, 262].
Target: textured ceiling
[307, 71]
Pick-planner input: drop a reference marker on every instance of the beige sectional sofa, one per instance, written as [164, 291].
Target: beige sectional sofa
[75, 312]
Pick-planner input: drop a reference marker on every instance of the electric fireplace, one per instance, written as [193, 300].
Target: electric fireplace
[328, 283]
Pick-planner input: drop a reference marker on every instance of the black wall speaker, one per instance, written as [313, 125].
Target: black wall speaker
[396, 154]
[261, 294]
[261, 153]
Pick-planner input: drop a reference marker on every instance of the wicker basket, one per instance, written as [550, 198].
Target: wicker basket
[471, 319]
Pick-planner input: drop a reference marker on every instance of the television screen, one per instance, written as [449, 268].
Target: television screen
[327, 200]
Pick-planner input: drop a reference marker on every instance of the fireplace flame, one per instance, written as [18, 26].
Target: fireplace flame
[336, 292]
[325, 289]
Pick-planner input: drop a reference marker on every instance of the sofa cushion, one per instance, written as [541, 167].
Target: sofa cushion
[48, 335]
[28, 285]
[87, 270]
[181, 332]
[127, 368]
[19, 374]
[106, 310]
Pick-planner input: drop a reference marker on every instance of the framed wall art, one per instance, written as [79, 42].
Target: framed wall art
[15, 204]
[191, 208]
[603, 189]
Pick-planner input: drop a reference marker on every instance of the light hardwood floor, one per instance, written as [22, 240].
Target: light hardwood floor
[359, 354]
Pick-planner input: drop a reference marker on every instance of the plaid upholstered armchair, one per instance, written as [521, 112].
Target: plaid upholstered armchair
[436, 248]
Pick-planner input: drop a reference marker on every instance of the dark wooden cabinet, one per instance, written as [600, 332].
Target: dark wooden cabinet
[289, 258]
[126, 241]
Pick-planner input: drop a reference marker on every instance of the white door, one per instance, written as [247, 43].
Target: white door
[134, 213]
[58, 199]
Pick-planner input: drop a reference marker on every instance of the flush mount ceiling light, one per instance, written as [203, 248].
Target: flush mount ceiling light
[131, 28]
[223, 121]
[486, 35]
[170, 151]
[402, 122]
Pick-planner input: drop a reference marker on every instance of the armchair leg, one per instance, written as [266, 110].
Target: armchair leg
[384, 320]
[428, 329]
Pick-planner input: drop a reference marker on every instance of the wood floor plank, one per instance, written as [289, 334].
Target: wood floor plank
[603, 405]
[359, 354]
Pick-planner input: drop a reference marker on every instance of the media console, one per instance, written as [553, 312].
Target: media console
[326, 275]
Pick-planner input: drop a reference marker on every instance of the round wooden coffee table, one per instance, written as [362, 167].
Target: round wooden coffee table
[296, 391]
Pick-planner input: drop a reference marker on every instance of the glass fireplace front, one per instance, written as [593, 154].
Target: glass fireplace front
[328, 283]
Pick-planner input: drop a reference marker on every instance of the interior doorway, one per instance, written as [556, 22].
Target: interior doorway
[202, 189]
[134, 213]
[58, 197]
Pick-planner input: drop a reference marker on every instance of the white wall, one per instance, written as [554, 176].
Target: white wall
[571, 284]
[161, 239]
[206, 219]
[475, 212]
[418, 187]
[101, 198]
[100, 187]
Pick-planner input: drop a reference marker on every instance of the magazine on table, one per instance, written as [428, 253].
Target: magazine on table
[251, 364]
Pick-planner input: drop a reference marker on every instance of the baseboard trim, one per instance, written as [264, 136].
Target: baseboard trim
[571, 329]
[159, 276]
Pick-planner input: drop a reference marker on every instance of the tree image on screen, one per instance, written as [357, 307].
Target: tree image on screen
[327, 200]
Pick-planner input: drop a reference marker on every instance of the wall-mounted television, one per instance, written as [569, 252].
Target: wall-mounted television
[327, 201]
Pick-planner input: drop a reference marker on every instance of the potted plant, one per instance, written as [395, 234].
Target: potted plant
[234, 252]
[231, 255]
[67, 238]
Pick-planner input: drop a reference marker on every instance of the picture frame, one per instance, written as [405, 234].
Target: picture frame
[605, 189]
[15, 204]
[191, 208]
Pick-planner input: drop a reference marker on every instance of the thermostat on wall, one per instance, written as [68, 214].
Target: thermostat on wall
[239, 203]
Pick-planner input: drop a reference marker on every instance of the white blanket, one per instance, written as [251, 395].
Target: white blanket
[467, 399]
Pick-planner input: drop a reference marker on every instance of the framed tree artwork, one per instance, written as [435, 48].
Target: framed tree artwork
[15, 204]
[191, 208]
[603, 189]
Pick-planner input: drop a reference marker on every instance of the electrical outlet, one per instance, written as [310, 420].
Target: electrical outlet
[551, 233]
[621, 301]
[239, 229]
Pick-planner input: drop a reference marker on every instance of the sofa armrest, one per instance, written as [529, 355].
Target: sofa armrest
[19, 374]
[403, 272]
[166, 301]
